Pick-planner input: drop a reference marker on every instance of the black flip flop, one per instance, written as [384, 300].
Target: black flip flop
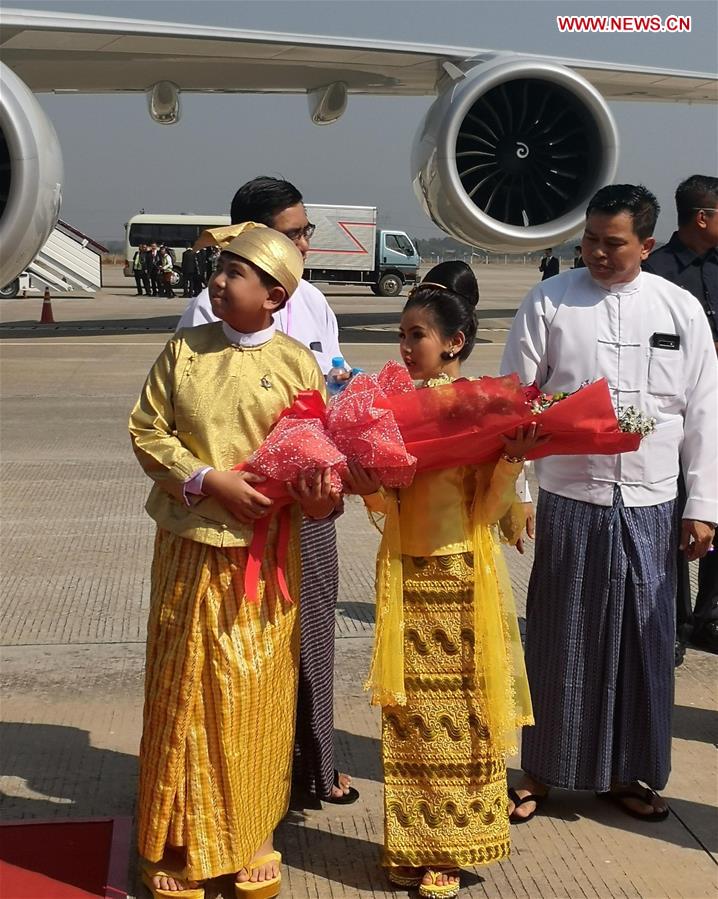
[519, 801]
[345, 798]
[643, 794]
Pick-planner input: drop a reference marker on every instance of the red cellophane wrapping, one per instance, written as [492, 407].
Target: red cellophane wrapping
[297, 445]
[462, 423]
[367, 433]
[383, 422]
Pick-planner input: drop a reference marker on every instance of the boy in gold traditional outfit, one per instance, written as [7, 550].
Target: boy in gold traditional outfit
[447, 666]
[221, 676]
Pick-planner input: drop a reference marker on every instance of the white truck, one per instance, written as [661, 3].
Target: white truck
[347, 248]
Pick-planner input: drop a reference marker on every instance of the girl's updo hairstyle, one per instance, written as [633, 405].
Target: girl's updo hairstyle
[450, 293]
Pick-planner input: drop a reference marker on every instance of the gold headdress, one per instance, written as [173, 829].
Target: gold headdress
[266, 248]
[271, 251]
[220, 237]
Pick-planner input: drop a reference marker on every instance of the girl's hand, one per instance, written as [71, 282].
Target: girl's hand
[316, 496]
[530, 526]
[234, 491]
[524, 440]
[361, 481]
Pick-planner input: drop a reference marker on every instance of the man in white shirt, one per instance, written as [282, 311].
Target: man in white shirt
[308, 318]
[600, 606]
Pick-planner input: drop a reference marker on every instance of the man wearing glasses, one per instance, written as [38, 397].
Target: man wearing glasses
[308, 318]
[690, 260]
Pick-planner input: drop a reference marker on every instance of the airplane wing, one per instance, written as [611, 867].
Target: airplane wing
[505, 157]
[63, 52]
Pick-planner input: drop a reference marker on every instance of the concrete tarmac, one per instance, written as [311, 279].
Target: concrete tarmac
[76, 549]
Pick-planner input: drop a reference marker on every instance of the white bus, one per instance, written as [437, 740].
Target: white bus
[175, 231]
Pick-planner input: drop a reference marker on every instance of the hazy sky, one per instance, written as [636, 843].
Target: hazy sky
[117, 160]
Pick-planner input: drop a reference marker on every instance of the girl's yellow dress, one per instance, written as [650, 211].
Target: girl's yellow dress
[447, 666]
[221, 674]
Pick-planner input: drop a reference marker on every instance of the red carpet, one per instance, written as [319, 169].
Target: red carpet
[64, 859]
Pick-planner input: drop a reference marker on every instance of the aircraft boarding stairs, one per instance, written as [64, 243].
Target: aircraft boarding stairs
[69, 261]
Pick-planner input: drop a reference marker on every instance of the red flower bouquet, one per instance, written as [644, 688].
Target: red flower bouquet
[461, 423]
[383, 422]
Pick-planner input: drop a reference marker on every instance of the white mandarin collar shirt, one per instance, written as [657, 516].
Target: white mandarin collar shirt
[307, 317]
[571, 329]
[239, 338]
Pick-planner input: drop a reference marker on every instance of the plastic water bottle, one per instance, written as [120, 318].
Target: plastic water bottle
[337, 378]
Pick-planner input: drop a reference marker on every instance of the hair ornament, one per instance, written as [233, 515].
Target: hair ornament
[426, 284]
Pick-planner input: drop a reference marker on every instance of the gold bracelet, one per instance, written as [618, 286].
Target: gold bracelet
[514, 460]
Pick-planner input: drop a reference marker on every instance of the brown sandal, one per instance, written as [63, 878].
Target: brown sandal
[642, 794]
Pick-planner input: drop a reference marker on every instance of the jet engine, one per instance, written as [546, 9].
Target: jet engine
[509, 154]
[30, 176]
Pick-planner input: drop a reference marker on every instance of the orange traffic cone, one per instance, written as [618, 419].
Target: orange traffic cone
[46, 317]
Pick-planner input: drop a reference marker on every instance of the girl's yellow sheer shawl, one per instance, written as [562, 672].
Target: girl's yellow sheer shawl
[499, 662]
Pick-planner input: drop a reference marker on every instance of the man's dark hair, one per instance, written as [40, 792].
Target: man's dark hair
[261, 199]
[696, 192]
[635, 199]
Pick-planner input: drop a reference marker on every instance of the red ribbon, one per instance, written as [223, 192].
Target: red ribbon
[255, 555]
[307, 404]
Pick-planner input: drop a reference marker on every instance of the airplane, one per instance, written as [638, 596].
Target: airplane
[506, 157]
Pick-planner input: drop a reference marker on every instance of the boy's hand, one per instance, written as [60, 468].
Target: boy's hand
[316, 496]
[524, 440]
[234, 491]
[361, 481]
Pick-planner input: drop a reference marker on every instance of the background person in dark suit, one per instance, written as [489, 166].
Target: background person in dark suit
[153, 268]
[549, 264]
[690, 260]
[190, 272]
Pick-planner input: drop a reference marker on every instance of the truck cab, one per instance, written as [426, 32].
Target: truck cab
[398, 262]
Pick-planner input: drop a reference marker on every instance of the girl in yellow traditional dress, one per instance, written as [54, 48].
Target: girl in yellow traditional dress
[221, 676]
[447, 666]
